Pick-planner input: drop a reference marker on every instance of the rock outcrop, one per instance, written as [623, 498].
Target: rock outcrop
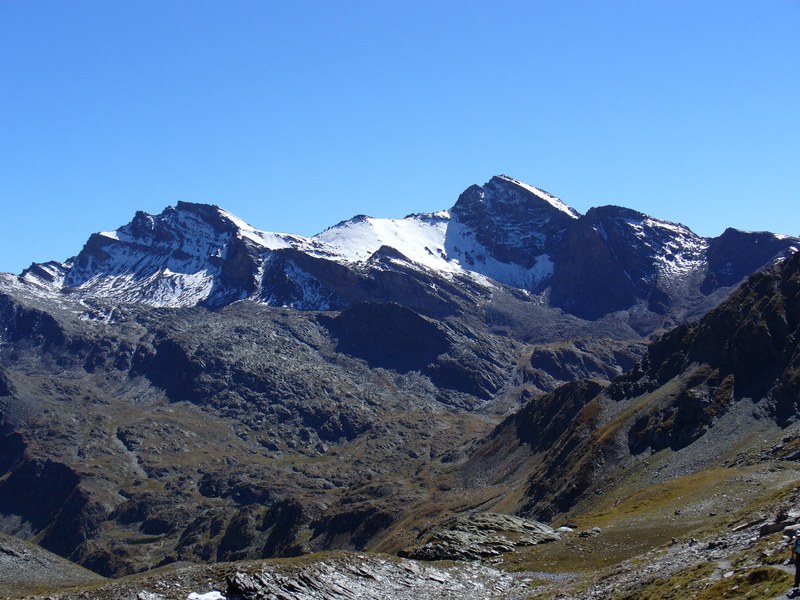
[480, 535]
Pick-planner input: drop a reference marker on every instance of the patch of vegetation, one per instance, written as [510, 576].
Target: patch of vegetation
[587, 555]
[664, 497]
[699, 583]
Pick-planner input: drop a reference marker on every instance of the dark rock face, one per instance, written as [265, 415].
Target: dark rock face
[237, 279]
[12, 450]
[28, 324]
[736, 254]
[37, 490]
[588, 280]
[393, 337]
[675, 425]
[567, 469]
[612, 260]
[240, 534]
[511, 221]
[284, 521]
[552, 365]
[77, 521]
[294, 278]
[6, 388]
[172, 367]
[543, 420]
[352, 528]
[49, 498]
[388, 336]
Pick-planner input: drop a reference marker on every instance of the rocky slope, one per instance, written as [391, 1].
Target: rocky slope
[245, 432]
[722, 390]
[27, 568]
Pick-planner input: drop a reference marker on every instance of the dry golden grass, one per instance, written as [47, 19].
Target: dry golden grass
[698, 583]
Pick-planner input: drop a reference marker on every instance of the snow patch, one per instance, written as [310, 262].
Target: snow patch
[418, 237]
[432, 241]
[213, 595]
[676, 251]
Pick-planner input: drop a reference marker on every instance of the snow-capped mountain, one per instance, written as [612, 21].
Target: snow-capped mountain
[503, 233]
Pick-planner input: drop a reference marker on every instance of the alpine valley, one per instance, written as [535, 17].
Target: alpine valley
[555, 404]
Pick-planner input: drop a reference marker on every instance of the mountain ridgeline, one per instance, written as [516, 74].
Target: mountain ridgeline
[191, 388]
[503, 233]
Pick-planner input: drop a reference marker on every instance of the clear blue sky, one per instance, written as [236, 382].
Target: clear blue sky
[297, 114]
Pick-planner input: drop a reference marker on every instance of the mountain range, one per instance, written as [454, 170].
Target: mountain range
[190, 388]
[503, 233]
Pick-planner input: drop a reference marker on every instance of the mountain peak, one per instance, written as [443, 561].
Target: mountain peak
[514, 221]
[184, 255]
[185, 218]
[539, 193]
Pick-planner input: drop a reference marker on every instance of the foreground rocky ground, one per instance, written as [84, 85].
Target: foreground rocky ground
[722, 534]
[332, 575]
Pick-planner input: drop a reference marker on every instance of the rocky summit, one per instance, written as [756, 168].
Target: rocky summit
[508, 381]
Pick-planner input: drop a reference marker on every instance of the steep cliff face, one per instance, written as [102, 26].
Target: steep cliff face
[736, 254]
[514, 222]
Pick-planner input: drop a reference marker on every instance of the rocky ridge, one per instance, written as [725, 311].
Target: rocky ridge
[26, 567]
[339, 575]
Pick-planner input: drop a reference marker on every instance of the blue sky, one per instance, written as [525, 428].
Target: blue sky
[295, 115]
